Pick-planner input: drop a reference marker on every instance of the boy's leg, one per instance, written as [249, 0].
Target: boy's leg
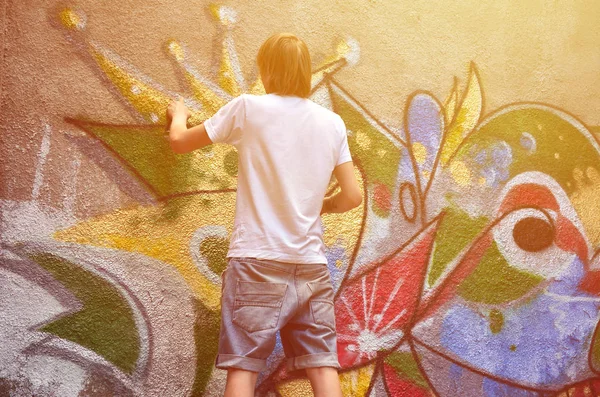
[324, 381]
[309, 338]
[240, 383]
[254, 304]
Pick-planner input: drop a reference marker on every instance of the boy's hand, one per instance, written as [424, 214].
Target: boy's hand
[177, 109]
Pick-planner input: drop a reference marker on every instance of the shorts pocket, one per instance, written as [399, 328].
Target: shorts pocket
[258, 305]
[323, 313]
[321, 303]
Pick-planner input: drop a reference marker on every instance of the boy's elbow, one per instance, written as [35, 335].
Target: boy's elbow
[356, 199]
[177, 146]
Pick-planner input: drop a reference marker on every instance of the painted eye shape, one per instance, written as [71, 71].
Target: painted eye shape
[526, 239]
[533, 234]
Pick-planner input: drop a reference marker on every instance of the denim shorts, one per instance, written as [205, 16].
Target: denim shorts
[261, 297]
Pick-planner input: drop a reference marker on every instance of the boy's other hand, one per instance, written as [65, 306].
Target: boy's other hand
[349, 196]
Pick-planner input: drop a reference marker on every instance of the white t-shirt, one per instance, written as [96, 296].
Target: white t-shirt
[287, 149]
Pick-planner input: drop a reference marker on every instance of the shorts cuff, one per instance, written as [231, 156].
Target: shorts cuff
[313, 361]
[225, 361]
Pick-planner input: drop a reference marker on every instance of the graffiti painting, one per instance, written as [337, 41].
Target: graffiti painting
[472, 267]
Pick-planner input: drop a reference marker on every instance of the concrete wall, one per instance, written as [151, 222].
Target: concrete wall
[470, 269]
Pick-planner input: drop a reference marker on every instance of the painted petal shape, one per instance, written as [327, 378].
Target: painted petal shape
[449, 378]
[425, 124]
[403, 377]
[451, 102]
[466, 118]
[374, 309]
[399, 387]
[373, 145]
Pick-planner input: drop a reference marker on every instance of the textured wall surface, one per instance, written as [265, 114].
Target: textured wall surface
[470, 269]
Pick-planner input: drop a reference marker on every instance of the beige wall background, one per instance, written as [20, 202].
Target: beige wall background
[544, 51]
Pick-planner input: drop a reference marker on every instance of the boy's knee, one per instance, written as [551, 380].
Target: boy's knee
[321, 371]
[238, 372]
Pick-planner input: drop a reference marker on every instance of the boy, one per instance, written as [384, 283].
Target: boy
[277, 278]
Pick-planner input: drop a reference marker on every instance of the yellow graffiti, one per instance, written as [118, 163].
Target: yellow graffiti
[363, 140]
[451, 102]
[162, 232]
[343, 229]
[354, 383]
[420, 152]
[466, 117]
[210, 101]
[346, 51]
[460, 173]
[226, 78]
[70, 19]
[587, 191]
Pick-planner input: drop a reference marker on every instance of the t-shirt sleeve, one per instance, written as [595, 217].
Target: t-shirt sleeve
[344, 153]
[227, 124]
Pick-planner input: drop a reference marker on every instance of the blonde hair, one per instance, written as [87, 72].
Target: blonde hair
[284, 61]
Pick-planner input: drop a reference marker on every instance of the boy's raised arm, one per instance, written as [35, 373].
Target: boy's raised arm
[181, 138]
